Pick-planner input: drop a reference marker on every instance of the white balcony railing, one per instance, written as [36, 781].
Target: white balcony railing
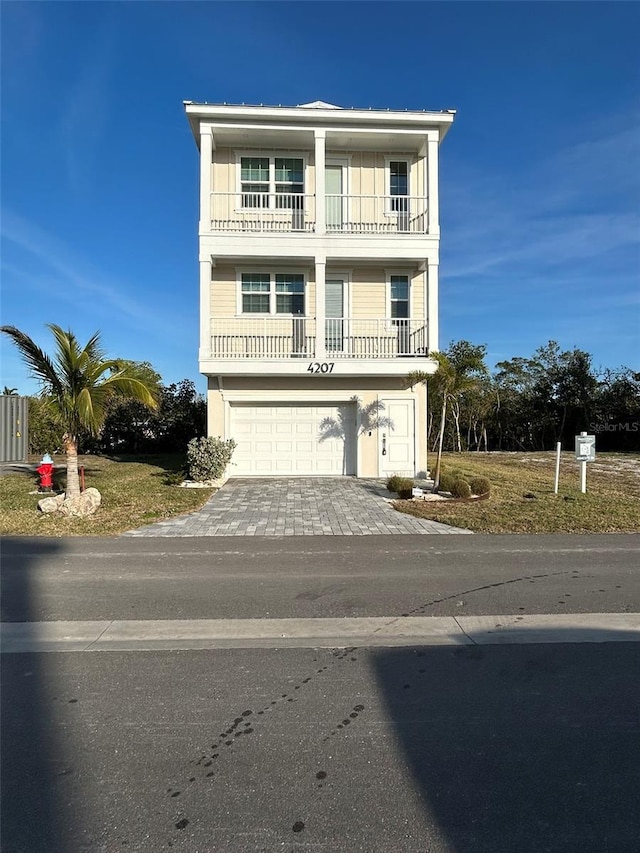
[262, 212]
[344, 214]
[295, 337]
[375, 214]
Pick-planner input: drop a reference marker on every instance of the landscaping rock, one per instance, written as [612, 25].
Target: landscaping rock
[51, 504]
[86, 504]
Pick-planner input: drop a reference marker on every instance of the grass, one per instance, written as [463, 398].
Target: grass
[135, 492]
[610, 505]
[139, 491]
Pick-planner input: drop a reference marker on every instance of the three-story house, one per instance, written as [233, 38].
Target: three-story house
[318, 248]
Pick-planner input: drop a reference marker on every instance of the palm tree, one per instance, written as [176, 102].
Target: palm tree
[77, 384]
[9, 392]
[459, 369]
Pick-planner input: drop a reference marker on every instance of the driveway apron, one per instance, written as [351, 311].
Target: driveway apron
[301, 506]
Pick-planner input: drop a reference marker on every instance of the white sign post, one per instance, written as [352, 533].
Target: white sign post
[557, 480]
[585, 452]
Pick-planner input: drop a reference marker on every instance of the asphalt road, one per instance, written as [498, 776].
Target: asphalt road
[467, 749]
[257, 577]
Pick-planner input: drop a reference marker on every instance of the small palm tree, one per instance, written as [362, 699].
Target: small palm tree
[459, 369]
[77, 384]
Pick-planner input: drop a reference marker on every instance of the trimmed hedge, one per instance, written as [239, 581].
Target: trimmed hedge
[405, 488]
[394, 482]
[460, 489]
[480, 486]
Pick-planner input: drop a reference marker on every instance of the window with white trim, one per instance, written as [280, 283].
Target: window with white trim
[272, 293]
[398, 177]
[272, 182]
[399, 307]
[399, 296]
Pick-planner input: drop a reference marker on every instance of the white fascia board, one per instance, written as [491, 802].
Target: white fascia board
[348, 247]
[258, 116]
[298, 367]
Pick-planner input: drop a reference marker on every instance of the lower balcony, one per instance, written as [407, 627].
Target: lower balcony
[285, 338]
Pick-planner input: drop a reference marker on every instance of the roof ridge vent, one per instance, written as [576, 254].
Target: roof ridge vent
[320, 105]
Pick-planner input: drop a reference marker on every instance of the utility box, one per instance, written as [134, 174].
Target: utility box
[14, 428]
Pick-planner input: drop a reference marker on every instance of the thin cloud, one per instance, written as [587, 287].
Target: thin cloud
[52, 258]
[556, 215]
[85, 111]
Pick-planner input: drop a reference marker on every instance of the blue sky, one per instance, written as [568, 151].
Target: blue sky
[540, 175]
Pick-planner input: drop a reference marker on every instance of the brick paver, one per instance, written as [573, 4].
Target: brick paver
[301, 506]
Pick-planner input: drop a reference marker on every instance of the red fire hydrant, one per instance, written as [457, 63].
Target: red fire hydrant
[45, 470]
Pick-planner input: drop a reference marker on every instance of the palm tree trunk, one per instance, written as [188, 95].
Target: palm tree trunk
[73, 480]
[443, 417]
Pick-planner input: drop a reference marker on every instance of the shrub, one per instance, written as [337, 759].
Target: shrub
[480, 486]
[174, 478]
[207, 458]
[446, 481]
[460, 489]
[405, 488]
[45, 433]
[393, 482]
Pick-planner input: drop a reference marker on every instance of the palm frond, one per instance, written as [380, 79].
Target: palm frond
[40, 365]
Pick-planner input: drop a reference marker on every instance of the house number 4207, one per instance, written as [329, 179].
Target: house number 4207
[320, 367]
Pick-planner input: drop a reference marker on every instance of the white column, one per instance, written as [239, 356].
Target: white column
[206, 265]
[206, 157]
[433, 208]
[321, 350]
[320, 151]
[431, 284]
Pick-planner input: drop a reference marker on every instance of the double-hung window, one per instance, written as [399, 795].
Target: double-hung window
[399, 307]
[254, 176]
[272, 182]
[399, 294]
[272, 293]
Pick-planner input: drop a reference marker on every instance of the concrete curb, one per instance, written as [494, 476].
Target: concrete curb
[134, 635]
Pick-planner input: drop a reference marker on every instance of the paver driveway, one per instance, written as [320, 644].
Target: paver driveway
[301, 506]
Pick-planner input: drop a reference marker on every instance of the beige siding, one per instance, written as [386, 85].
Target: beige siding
[224, 167]
[223, 292]
[368, 294]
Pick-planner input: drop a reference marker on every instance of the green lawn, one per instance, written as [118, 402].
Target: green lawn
[134, 492]
[522, 498]
[141, 491]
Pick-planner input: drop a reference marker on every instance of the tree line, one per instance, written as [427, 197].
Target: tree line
[529, 403]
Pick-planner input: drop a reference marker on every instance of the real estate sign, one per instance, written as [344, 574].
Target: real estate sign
[585, 448]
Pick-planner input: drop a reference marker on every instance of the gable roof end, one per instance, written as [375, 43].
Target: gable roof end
[320, 105]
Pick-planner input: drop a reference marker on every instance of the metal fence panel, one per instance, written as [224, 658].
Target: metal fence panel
[14, 428]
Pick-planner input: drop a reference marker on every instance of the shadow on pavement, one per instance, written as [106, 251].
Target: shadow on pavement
[521, 747]
[31, 804]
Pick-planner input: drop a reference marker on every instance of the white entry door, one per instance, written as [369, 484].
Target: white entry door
[396, 442]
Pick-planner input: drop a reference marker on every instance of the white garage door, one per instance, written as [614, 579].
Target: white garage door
[303, 440]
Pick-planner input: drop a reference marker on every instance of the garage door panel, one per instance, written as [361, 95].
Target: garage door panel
[281, 440]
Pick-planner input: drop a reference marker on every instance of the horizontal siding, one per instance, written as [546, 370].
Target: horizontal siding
[367, 170]
[368, 294]
[223, 292]
[368, 298]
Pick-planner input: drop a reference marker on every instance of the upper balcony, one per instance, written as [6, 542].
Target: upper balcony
[242, 212]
